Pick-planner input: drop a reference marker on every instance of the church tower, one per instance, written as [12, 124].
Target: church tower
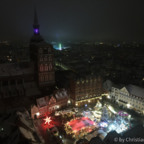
[42, 55]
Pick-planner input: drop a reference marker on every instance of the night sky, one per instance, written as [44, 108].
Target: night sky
[73, 19]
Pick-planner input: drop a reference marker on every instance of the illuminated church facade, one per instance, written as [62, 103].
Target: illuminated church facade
[32, 78]
[42, 54]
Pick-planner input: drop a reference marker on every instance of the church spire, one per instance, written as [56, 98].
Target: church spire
[35, 17]
[35, 25]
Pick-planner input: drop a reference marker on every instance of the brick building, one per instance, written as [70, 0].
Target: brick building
[48, 104]
[86, 90]
[31, 78]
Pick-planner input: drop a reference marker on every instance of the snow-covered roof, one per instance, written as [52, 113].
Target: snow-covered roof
[41, 102]
[61, 94]
[58, 95]
[135, 90]
[11, 69]
[34, 110]
[107, 85]
[27, 134]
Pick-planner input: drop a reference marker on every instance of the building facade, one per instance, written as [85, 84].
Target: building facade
[48, 104]
[17, 81]
[130, 96]
[42, 54]
[86, 91]
[30, 78]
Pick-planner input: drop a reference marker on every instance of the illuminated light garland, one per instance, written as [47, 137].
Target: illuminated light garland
[79, 133]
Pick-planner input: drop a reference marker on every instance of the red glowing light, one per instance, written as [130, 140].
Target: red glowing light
[47, 120]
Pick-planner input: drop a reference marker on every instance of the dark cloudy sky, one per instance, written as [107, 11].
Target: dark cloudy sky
[73, 19]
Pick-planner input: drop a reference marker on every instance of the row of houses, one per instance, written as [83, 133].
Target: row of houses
[48, 104]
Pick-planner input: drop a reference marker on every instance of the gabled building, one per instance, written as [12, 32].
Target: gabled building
[48, 104]
[129, 96]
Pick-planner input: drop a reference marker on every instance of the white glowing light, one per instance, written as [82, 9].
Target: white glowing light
[47, 120]
[111, 109]
[108, 97]
[69, 101]
[128, 105]
[38, 114]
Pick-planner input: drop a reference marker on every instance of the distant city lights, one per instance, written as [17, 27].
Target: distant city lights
[60, 46]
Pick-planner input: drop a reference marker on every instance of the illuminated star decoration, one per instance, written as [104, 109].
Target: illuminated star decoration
[47, 120]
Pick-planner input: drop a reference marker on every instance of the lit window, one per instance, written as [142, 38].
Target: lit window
[41, 67]
[46, 67]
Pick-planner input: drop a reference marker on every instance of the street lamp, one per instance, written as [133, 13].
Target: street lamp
[69, 102]
[128, 105]
[37, 114]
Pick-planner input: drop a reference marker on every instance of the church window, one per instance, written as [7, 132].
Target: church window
[46, 77]
[41, 78]
[45, 58]
[41, 67]
[50, 66]
[46, 67]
